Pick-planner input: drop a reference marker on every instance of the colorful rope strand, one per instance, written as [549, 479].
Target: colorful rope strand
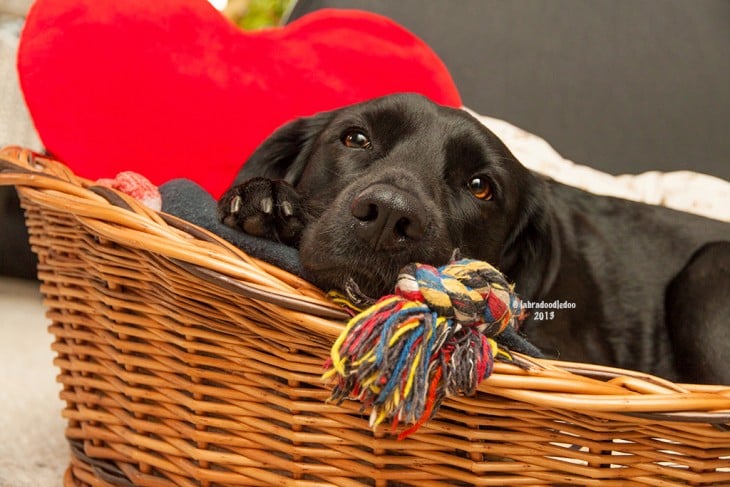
[433, 338]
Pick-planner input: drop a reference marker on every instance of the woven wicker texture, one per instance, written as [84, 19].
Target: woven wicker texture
[186, 362]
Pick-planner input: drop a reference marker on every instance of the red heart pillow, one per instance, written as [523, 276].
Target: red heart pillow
[170, 88]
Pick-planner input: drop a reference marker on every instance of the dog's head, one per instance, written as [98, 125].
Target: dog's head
[400, 179]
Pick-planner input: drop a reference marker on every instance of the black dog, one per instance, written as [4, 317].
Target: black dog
[366, 189]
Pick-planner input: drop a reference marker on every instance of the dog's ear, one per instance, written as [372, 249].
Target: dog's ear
[284, 154]
[531, 254]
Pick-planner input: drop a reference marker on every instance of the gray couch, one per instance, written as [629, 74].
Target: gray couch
[625, 86]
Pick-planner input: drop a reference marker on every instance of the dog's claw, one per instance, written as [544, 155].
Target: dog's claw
[267, 205]
[287, 209]
[236, 203]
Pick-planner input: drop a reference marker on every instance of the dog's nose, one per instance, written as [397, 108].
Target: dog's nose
[387, 217]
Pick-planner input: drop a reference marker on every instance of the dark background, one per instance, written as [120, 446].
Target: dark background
[624, 86]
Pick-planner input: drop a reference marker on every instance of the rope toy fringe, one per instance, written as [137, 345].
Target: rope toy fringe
[433, 338]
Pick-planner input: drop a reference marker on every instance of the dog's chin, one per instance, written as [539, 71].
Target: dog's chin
[363, 275]
[334, 259]
[366, 282]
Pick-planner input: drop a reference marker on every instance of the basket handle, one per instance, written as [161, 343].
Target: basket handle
[24, 167]
[9, 163]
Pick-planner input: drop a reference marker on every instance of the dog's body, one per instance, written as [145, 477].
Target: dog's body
[364, 190]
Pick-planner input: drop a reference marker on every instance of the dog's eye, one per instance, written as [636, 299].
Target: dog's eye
[479, 186]
[355, 139]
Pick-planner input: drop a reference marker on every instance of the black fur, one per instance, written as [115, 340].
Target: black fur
[368, 188]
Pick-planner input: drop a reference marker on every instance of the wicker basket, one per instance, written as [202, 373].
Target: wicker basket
[186, 362]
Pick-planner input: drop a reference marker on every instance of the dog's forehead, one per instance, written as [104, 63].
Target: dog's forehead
[394, 111]
[413, 116]
[411, 126]
[414, 110]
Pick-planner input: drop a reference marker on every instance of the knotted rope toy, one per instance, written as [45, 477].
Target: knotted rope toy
[433, 338]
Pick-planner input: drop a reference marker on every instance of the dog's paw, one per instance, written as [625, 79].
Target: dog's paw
[265, 208]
